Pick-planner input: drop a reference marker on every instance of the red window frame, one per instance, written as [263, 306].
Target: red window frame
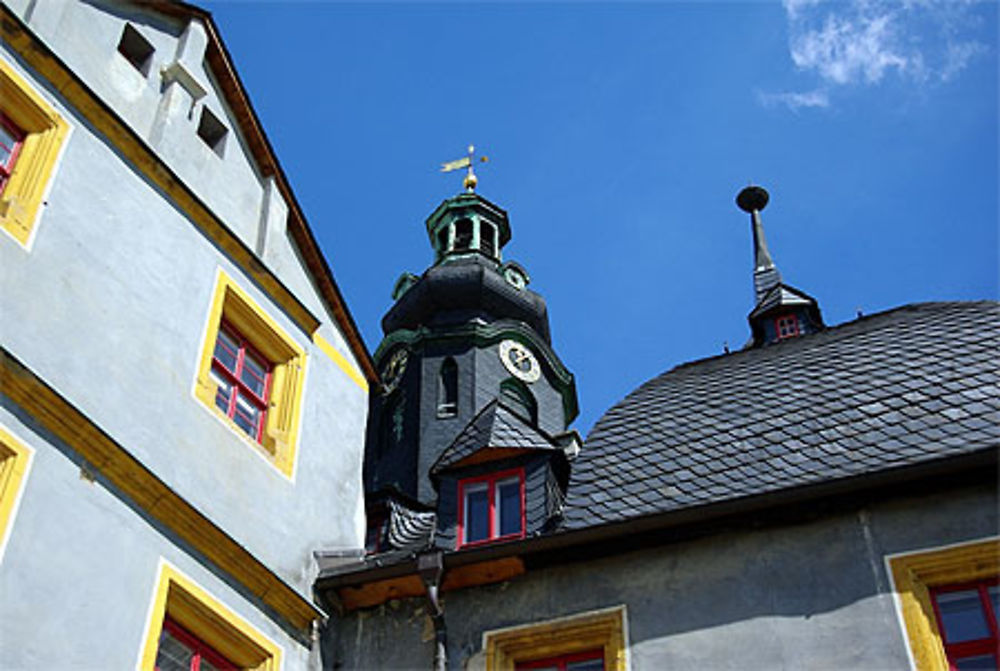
[8, 167]
[491, 481]
[200, 650]
[561, 662]
[790, 324]
[989, 645]
[235, 377]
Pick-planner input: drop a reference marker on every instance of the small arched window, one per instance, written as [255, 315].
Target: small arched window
[487, 234]
[519, 398]
[463, 234]
[448, 389]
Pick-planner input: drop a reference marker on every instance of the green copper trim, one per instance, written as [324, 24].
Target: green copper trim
[484, 335]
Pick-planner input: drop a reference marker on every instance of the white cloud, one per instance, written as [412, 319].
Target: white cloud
[794, 101]
[865, 42]
[845, 50]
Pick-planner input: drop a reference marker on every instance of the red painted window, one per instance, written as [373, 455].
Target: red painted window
[968, 617]
[491, 507]
[180, 650]
[591, 660]
[11, 140]
[786, 326]
[244, 379]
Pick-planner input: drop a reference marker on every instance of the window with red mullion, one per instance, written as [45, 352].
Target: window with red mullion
[970, 647]
[496, 516]
[591, 660]
[180, 650]
[244, 378]
[11, 140]
[786, 326]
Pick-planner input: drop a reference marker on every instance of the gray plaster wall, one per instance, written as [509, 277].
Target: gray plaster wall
[165, 110]
[80, 567]
[110, 306]
[814, 595]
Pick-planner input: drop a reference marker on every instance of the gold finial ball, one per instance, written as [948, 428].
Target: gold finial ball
[470, 181]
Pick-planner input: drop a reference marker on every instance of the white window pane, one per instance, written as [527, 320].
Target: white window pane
[254, 374]
[509, 506]
[172, 655]
[962, 616]
[226, 350]
[223, 392]
[477, 514]
[7, 142]
[586, 665]
[247, 416]
[977, 663]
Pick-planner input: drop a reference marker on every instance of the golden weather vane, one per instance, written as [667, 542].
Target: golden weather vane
[467, 162]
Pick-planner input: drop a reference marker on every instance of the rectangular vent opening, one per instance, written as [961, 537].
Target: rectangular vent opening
[211, 130]
[136, 49]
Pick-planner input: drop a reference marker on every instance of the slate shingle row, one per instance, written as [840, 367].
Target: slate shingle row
[909, 385]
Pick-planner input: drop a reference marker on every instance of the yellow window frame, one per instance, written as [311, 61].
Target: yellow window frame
[44, 133]
[604, 629]
[288, 360]
[913, 574]
[15, 458]
[182, 600]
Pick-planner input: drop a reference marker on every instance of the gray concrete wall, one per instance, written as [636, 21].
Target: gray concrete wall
[813, 595]
[110, 306]
[80, 567]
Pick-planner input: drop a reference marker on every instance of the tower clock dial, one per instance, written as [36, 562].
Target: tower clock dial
[520, 361]
[392, 371]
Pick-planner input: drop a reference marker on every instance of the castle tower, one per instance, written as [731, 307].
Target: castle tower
[467, 439]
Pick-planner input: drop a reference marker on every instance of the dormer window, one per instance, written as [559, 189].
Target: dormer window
[491, 508]
[786, 326]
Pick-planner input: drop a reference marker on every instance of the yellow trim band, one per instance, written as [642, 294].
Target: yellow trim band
[15, 457]
[341, 361]
[604, 629]
[914, 574]
[150, 493]
[182, 600]
[44, 134]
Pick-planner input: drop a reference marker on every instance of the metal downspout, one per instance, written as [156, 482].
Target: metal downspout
[430, 567]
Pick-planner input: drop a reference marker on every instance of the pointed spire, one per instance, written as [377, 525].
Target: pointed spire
[780, 311]
[752, 200]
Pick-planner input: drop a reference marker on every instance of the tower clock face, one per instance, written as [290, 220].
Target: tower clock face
[519, 360]
[392, 371]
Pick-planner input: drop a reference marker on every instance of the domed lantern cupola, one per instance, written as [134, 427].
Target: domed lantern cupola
[467, 223]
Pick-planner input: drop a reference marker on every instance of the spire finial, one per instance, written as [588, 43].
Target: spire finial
[466, 162]
[753, 199]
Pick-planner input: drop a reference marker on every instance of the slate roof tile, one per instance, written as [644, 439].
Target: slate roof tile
[893, 389]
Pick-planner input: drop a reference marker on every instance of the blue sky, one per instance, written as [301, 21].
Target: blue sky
[618, 136]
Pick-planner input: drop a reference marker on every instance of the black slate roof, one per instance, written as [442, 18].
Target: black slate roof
[910, 385]
[494, 427]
